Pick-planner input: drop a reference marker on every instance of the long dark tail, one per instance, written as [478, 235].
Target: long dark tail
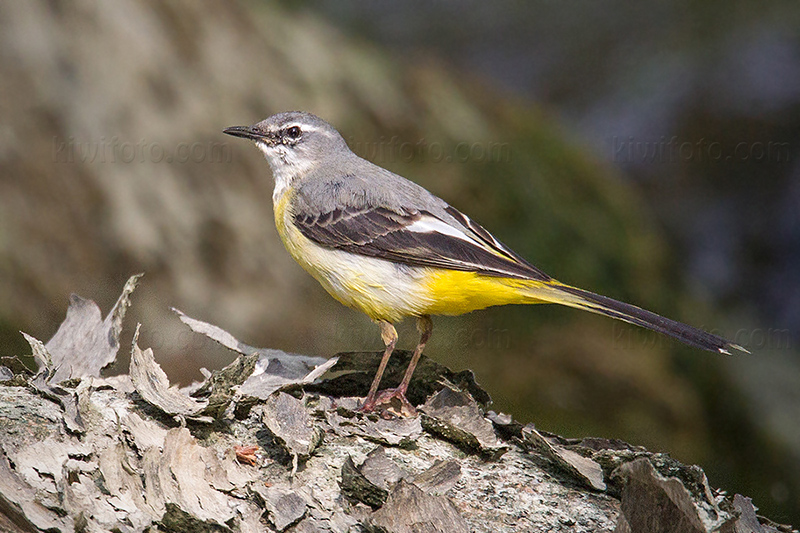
[555, 292]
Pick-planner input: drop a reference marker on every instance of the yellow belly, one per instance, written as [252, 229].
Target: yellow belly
[387, 291]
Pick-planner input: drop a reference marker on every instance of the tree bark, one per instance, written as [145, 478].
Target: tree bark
[273, 443]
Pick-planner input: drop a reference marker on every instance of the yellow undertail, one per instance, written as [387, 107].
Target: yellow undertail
[454, 293]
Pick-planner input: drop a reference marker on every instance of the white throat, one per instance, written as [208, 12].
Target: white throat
[286, 166]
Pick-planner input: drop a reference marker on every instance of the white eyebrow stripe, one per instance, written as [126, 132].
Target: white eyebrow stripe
[303, 127]
[434, 225]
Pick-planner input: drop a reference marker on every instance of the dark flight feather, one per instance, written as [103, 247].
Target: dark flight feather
[381, 232]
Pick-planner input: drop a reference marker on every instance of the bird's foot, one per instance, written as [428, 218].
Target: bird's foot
[389, 401]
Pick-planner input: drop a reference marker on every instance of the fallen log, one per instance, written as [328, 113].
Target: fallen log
[274, 442]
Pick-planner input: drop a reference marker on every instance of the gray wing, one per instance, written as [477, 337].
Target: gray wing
[417, 238]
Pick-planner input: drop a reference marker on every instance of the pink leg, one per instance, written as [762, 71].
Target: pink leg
[389, 336]
[425, 327]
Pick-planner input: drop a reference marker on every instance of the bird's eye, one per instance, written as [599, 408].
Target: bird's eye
[293, 132]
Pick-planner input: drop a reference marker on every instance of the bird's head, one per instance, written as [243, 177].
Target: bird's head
[293, 142]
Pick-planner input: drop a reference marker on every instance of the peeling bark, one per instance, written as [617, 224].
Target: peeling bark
[270, 444]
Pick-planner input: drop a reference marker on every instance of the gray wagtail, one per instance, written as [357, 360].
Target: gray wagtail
[389, 248]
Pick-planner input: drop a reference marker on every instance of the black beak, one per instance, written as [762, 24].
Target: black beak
[247, 132]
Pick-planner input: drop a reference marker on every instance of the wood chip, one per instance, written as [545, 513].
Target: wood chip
[85, 343]
[409, 509]
[402, 432]
[18, 501]
[273, 369]
[357, 487]
[454, 415]
[748, 521]
[582, 469]
[439, 478]
[284, 506]
[289, 421]
[659, 504]
[221, 386]
[42, 382]
[153, 386]
[380, 470]
[178, 475]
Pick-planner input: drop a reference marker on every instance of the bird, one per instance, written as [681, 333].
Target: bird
[384, 245]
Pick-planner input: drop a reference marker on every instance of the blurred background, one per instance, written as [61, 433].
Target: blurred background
[644, 150]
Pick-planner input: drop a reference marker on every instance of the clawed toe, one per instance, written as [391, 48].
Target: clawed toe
[389, 400]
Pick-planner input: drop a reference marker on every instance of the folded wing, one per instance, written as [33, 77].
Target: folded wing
[416, 238]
